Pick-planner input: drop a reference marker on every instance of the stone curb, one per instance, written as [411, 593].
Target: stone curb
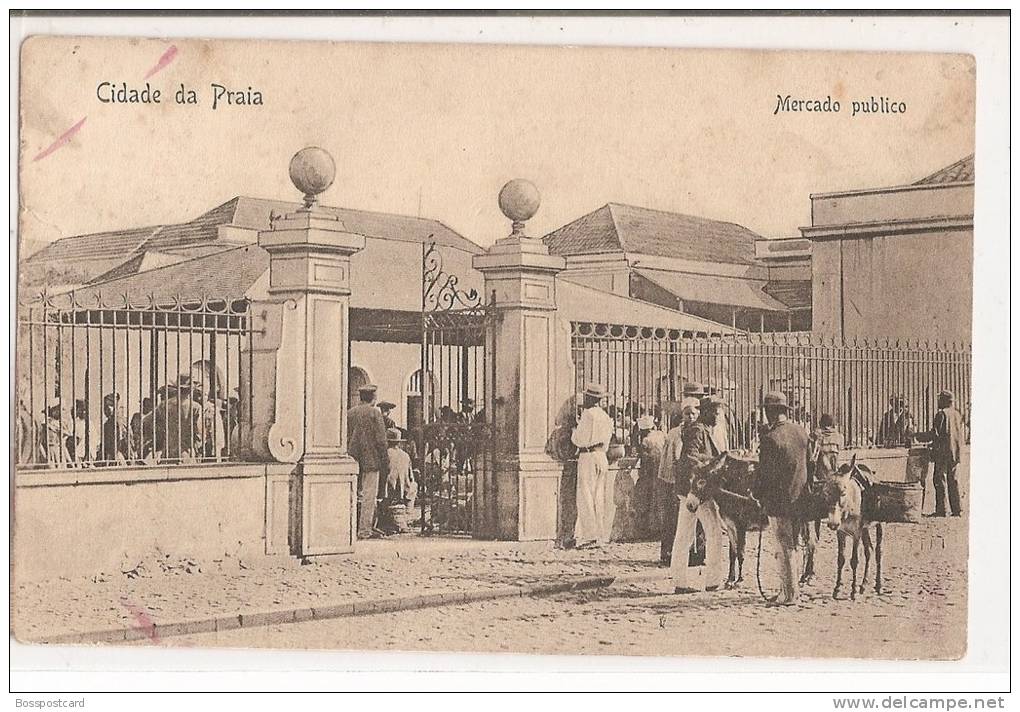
[158, 631]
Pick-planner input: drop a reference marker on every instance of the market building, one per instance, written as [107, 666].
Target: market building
[895, 261]
[708, 268]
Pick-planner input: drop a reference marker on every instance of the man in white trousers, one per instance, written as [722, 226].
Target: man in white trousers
[594, 491]
[700, 445]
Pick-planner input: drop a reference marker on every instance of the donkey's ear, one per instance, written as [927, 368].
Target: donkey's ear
[853, 460]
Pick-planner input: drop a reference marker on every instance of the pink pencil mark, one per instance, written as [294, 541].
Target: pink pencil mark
[144, 622]
[167, 57]
[64, 138]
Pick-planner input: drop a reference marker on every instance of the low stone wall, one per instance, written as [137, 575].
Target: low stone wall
[85, 521]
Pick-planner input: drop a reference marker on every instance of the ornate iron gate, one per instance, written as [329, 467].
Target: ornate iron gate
[454, 428]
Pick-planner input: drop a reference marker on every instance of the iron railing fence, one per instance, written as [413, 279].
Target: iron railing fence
[111, 383]
[456, 420]
[859, 382]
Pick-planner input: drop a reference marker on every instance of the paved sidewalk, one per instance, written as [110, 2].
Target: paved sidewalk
[173, 595]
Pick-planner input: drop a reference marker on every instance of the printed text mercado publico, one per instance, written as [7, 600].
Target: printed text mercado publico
[828, 105]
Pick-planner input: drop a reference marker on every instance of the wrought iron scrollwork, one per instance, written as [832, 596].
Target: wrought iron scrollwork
[440, 290]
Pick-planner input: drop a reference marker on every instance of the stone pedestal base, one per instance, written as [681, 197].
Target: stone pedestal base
[327, 503]
[528, 489]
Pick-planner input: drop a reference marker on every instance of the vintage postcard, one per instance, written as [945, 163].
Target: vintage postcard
[530, 349]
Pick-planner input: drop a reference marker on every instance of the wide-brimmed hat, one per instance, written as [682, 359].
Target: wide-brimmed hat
[594, 390]
[111, 398]
[693, 388]
[646, 422]
[711, 401]
[368, 388]
[689, 403]
[386, 405]
[775, 399]
[946, 395]
[468, 403]
[394, 436]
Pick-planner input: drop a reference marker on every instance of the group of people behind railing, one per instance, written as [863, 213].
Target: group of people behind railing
[186, 422]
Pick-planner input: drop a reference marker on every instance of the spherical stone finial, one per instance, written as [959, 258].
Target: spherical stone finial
[312, 170]
[519, 200]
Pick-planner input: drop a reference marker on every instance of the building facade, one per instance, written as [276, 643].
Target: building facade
[895, 262]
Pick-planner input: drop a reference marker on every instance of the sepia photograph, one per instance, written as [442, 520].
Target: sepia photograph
[492, 348]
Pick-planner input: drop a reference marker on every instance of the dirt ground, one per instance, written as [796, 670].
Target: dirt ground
[921, 614]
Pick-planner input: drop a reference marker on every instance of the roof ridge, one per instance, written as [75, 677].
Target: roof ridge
[222, 205]
[946, 169]
[174, 264]
[685, 215]
[147, 238]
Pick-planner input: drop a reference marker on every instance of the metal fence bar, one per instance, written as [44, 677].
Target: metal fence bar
[858, 382]
[96, 363]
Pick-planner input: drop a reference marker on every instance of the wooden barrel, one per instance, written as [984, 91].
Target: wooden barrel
[894, 502]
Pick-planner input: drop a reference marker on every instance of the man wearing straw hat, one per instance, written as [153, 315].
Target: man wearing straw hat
[782, 478]
[366, 443]
[666, 481]
[400, 488]
[594, 493]
[946, 437]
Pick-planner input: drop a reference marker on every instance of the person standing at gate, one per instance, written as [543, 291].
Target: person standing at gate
[946, 437]
[782, 478]
[700, 446]
[594, 494]
[366, 443]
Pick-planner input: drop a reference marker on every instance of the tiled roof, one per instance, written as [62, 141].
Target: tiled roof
[253, 213]
[794, 293]
[589, 234]
[227, 273]
[617, 227]
[960, 172]
[96, 246]
[141, 262]
[712, 289]
[250, 213]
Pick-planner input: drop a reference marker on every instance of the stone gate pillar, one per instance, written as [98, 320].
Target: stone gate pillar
[521, 274]
[303, 355]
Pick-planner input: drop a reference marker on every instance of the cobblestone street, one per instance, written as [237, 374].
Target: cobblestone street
[921, 614]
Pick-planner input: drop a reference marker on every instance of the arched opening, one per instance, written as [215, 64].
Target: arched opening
[414, 397]
[357, 377]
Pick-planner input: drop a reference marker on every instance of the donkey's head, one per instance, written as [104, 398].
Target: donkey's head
[846, 496]
[706, 480]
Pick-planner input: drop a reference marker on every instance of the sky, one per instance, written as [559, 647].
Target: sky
[436, 130]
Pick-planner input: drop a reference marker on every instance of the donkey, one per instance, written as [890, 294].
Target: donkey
[728, 481]
[849, 518]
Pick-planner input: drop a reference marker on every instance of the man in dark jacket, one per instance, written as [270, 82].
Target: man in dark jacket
[700, 444]
[782, 477]
[946, 437]
[366, 443]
